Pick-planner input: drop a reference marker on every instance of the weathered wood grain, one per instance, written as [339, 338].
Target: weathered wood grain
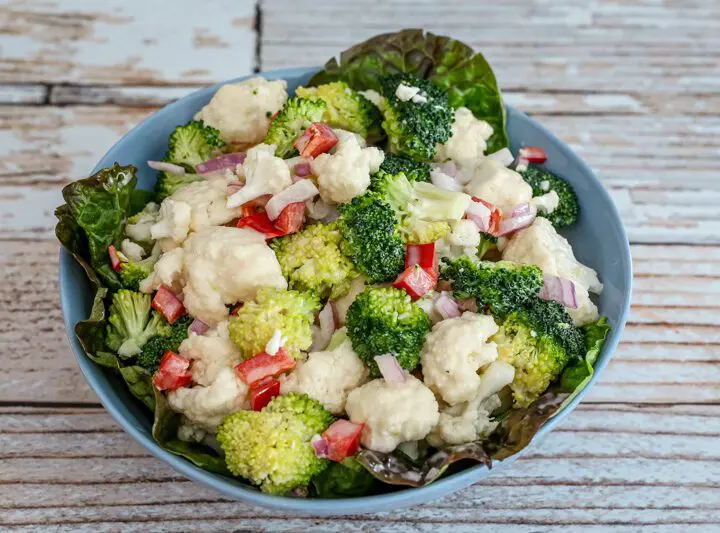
[81, 470]
[668, 354]
[131, 42]
[590, 46]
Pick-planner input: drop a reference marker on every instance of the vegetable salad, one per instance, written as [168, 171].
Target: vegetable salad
[343, 290]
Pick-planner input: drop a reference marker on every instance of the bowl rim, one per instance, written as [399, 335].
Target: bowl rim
[321, 506]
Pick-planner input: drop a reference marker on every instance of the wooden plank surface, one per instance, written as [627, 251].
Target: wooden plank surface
[631, 85]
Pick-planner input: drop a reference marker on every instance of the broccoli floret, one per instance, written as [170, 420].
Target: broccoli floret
[384, 320]
[414, 128]
[487, 242]
[423, 209]
[503, 286]
[538, 340]
[188, 146]
[416, 231]
[370, 238]
[346, 109]
[394, 164]
[131, 323]
[311, 260]
[170, 339]
[291, 312]
[133, 272]
[542, 182]
[296, 115]
[192, 144]
[272, 448]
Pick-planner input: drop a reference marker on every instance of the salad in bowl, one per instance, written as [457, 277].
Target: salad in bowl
[347, 289]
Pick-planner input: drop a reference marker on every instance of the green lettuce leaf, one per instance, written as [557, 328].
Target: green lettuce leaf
[576, 377]
[344, 480]
[139, 381]
[164, 432]
[451, 64]
[93, 218]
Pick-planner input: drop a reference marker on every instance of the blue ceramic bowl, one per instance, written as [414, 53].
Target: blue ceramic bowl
[599, 240]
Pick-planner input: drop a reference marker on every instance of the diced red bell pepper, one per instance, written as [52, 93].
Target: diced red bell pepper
[255, 206]
[114, 259]
[263, 365]
[260, 222]
[166, 303]
[533, 154]
[495, 215]
[416, 281]
[318, 139]
[422, 255]
[343, 438]
[174, 372]
[291, 218]
[262, 392]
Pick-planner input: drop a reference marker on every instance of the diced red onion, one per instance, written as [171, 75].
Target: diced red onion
[390, 368]
[503, 156]
[446, 306]
[324, 333]
[299, 191]
[166, 167]
[449, 168]
[559, 290]
[303, 169]
[198, 327]
[520, 210]
[321, 447]
[221, 163]
[232, 188]
[442, 180]
[522, 164]
[480, 214]
[521, 217]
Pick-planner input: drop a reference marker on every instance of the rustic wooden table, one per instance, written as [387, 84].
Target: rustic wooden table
[632, 85]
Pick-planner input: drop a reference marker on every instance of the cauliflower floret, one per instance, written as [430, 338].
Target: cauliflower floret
[167, 271]
[465, 422]
[242, 111]
[469, 139]
[346, 174]
[454, 352]
[540, 244]
[343, 304]
[463, 239]
[392, 413]
[217, 266]
[328, 377]
[468, 421]
[173, 223]
[138, 226]
[132, 250]
[496, 184]
[194, 206]
[546, 203]
[210, 353]
[264, 174]
[224, 265]
[207, 406]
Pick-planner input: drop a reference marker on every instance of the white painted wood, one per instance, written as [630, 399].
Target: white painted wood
[22, 94]
[131, 42]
